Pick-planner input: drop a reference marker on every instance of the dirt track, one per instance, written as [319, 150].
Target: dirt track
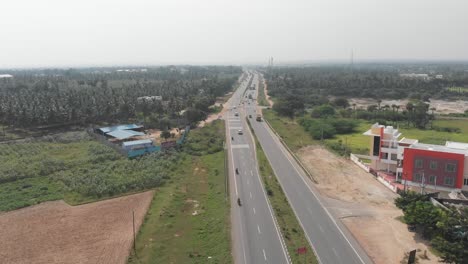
[365, 206]
[54, 232]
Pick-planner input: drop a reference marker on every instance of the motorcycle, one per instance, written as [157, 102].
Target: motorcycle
[237, 171]
[239, 202]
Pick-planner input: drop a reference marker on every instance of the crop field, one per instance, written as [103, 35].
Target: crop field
[73, 167]
[54, 232]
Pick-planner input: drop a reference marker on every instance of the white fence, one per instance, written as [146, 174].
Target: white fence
[358, 162]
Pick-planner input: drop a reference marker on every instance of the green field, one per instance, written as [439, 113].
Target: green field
[290, 131]
[458, 89]
[296, 137]
[73, 167]
[290, 228]
[172, 232]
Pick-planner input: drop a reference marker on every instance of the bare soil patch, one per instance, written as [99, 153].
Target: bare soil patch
[364, 205]
[441, 106]
[55, 232]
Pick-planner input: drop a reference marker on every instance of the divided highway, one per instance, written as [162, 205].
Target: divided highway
[331, 241]
[255, 235]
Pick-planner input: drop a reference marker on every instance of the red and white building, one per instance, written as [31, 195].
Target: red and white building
[429, 166]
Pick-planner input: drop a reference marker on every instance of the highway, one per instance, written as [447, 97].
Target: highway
[255, 235]
[329, 238]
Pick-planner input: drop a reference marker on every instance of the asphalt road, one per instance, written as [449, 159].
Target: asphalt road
[255, 236]
[331, 241]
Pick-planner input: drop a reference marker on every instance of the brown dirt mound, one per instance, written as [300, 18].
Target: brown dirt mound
[55, 232]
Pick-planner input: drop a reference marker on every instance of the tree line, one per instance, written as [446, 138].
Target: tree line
[447, 229]
[89, 96]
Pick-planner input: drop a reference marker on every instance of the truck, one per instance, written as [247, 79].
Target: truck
[259, 118]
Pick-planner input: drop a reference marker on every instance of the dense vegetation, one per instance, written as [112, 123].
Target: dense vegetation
[446, 228]
[311, 85]
[88, 96]
[74, 167]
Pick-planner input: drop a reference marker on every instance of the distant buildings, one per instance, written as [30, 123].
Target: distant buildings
[149, 98]
[424, 165]
[422, 76]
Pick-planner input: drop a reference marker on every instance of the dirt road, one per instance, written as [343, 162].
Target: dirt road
[54, 232]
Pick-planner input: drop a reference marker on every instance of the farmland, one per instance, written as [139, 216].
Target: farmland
[73, 167]
[54, 232]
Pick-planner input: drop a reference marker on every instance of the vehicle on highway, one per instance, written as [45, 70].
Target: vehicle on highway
[236, 114]
[237, 171]
[239, 202]
[250, 116]
[240, 132]
[259, 118]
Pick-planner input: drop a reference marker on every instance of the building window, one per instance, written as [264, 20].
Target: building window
[448, 181]
[432, 179]
[417, 177]
[450, 167]
[393, 157]
[418, 163]
[433, 165]
[465, 181]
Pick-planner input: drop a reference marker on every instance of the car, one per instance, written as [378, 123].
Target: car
[250, 116]
[236, 114]
[240, 132]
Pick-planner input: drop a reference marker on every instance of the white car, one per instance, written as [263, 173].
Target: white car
[240, 132]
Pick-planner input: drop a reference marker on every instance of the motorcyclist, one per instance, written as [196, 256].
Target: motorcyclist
[237, 171]
[239, 202]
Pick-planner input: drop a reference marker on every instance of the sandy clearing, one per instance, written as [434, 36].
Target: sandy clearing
[441, 106]
[365, 206]
[55, 232]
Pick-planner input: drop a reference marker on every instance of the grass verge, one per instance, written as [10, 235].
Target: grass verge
[290, 131]
[290, 228]
[188, 220]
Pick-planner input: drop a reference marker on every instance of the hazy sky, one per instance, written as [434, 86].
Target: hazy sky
[97, 32]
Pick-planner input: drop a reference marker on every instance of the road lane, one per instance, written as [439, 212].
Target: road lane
[256, 238]
[330, 240]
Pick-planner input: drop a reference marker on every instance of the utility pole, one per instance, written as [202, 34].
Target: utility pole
[134, 235]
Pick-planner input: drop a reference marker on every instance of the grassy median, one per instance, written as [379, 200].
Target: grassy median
[188, 220]
[262, 101]
[291, 230]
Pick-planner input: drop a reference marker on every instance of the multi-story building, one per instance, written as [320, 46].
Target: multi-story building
[425, 165]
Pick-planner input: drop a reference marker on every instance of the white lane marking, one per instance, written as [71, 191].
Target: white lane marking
[251, 173]
[232, 162]
[258, 228]
[320, 227]
[248, 182]
[281, 147]
[334, 251]
[254, 210]
[240, 146]
[264, 255]
[251, 197]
